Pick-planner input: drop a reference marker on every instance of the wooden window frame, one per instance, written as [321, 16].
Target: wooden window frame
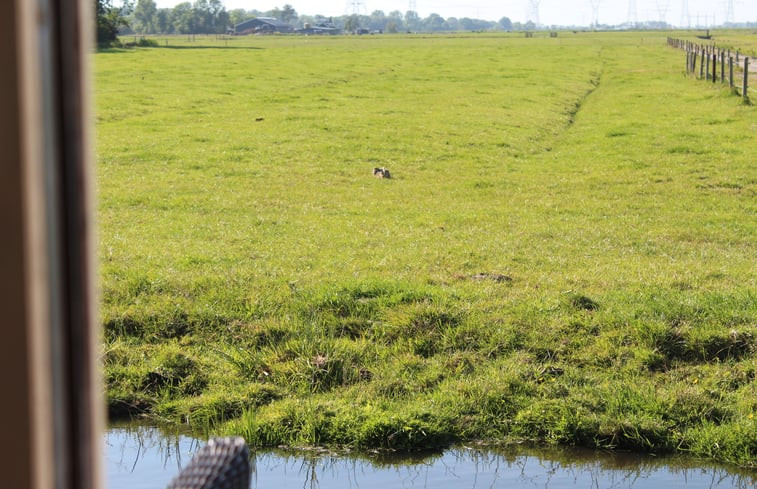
[53, 413]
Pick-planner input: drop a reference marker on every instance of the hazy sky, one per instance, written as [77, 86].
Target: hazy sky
[563, 12]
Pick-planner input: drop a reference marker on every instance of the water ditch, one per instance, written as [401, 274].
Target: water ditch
[142, 457]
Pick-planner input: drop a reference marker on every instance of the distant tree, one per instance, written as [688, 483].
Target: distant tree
[183, 19]
[506, 23]
[377, 21]
[274, 13]
[452, 24]
[351, 23]
[109, 20]
[145, 17]
[209, 16]
[394, 21]
[469, 24]
[306, 19]
[201, 15]
[412, 20]
[433, 23]
[239, 15]
[288, 14]
[163, 21]
[223, 21]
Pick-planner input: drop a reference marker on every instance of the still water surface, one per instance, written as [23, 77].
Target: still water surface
[139, 457]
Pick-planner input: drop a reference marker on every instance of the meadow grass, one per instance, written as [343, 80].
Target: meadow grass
[565, 252]
[734, 39]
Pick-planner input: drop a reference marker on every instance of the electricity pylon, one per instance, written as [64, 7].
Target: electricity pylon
[533, 11]
[356, 7]
[662, 10]
[595, 12]
[632, 18]
[729, 16]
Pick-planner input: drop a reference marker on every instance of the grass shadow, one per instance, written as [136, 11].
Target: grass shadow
[210, 47]
[131, 49]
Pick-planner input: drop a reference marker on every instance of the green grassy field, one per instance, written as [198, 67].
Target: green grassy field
[743, 41]
[565, 253]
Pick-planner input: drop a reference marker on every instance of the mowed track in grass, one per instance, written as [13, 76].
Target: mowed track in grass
[565, 252]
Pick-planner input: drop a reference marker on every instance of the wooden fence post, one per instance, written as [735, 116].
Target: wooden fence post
[714, 68]
[746, 80]
[722, 68]
[694, 63]
[730, 70]
[701, 66]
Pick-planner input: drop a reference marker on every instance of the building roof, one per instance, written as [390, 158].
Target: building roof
[257, 22]
[322, 28]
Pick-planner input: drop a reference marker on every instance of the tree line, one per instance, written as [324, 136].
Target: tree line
[211, 17]
[144, 17]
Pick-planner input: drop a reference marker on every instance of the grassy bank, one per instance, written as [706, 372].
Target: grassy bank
[565, 252]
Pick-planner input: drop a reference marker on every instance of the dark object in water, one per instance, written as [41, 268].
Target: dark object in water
[224, 463]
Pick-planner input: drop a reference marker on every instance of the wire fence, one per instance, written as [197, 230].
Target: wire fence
[712, 63]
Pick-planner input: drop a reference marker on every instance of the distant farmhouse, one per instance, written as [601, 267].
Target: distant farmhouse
[262, 25]
[319, 28]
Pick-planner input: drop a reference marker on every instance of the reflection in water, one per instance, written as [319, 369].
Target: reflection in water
[473, 468]
[141, 457]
